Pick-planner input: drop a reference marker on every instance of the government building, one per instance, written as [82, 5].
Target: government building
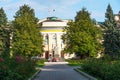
[52, 31]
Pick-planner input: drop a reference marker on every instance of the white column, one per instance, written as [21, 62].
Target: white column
[44, 45]
[50, 43]
[59, 44]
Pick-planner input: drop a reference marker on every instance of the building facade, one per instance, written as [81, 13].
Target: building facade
[52, 31]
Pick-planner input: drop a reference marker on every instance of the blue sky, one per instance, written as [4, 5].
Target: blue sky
[64, 9]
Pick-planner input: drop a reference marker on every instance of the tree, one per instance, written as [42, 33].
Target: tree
[112, 33]
[118, 20]
[27, 39]
[82, 15]
[3, 18]
[4, 31]
[82, 36]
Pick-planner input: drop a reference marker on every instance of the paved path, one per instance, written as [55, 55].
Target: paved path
[58, 71]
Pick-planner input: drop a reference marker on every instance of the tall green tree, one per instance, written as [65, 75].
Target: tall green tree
[112, 33]
[82, 15]
[82, 36]
[4, 31]
[3, 18]
[27, 39]
[109, 15]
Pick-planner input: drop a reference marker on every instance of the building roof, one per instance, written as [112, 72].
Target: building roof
[53, 22]
[53, 19]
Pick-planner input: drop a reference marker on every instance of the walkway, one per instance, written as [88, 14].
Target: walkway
[58, 71]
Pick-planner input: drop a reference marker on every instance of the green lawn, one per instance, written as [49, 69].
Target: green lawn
[40, 63]
[74, 62]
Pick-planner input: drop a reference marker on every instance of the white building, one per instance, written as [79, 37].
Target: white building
[52, 31]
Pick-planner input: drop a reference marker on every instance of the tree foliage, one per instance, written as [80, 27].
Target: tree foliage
[82, 15]
[118, 21]
[112, 33]
[4, 34]
[82, 36]
[27, 39]
[3, 18]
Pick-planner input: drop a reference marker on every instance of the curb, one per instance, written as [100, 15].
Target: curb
[84, 74]
[33, 76]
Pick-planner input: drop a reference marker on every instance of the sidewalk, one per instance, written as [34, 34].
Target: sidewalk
[58, 71]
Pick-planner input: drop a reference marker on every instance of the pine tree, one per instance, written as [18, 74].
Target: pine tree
[109, 22]
[3, 18]
[112, 34]
[4, 34]
[27, 39]
[82, 36]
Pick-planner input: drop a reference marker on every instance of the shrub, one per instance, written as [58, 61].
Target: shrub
[23, 66]
[106, 70]
[16, 68]
[6, 73]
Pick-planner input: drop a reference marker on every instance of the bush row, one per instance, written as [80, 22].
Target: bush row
[16, 68]
[102, 69]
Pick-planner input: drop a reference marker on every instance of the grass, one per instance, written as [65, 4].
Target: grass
[74, 62]
[40, 63]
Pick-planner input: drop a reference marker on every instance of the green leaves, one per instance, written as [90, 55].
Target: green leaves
[111, 37]
[83, 15]
[3, 18]
[27, 37]
[82, 35]
[4, 31]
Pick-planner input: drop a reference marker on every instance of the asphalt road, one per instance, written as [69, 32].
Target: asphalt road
[58, 71]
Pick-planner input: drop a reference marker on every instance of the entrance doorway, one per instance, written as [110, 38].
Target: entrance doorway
[46, 54]
[62, 54]
[53, 53]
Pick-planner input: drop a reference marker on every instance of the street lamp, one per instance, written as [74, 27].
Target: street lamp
[116, 18]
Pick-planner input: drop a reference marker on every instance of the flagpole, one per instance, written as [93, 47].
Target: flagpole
[51, 12]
